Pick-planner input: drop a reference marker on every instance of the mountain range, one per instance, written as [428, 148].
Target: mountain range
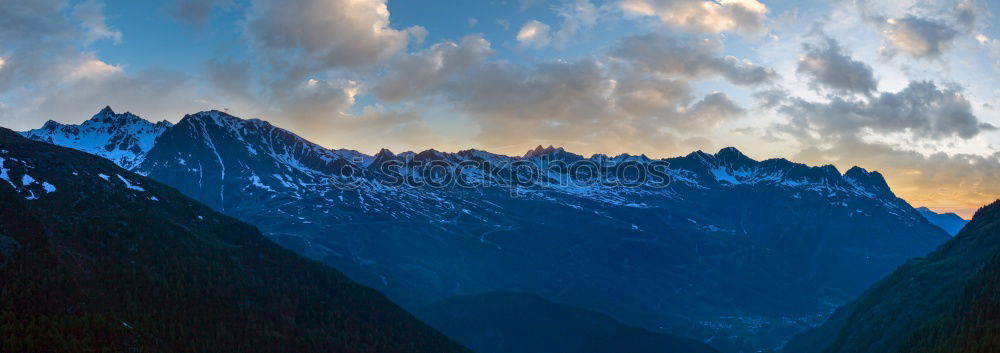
[94, 258]
[795, 241]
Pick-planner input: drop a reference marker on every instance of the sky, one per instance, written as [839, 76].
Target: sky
[908, 88]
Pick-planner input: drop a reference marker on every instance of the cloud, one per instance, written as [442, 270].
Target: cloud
[30, 61]
[576, 15]
[419, 74]
[993, 46]
[672, 104]
[587, 106]
[417, 35]
[22, 19]
[94, 68]
[378, 127]
[971, 14]
[563, 104]
[44, 43]
[229, 77]
[830, 68]
[154, 94]
[921, 110]
[925, 137]
[685, 57]
[918, 37]
[318, 110]
[534, 34]
[91, 16]
[51, 72]
[924, 30]
[714, 109]
[743, 16]
[526, 4]
[197, 11]
[742, 72]
[315, 100]
[553, 89]
[318, 35]
[636, 95]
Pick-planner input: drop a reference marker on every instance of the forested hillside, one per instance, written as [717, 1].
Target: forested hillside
[946, 302]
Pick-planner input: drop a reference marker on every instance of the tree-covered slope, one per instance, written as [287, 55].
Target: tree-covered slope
[527, 323]
[95, 258]
[946, 302]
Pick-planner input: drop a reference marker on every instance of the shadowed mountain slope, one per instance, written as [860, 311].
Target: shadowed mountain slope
[523, 323]
[946, 302]
[96, 258]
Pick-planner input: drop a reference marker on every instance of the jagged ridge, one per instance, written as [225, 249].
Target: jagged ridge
[122, 138]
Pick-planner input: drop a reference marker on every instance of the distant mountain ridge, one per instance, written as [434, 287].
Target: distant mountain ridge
[796, 240]
[950, 222]
[126, 139]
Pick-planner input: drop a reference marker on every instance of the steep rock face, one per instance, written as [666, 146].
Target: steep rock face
[796, 241]
[122, 138]
[96, 258]
[946, 302]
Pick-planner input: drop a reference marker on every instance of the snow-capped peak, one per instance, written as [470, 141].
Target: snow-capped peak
[123, 138]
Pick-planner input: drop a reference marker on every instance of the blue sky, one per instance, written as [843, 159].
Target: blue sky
[153, 38]
[905, 87]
